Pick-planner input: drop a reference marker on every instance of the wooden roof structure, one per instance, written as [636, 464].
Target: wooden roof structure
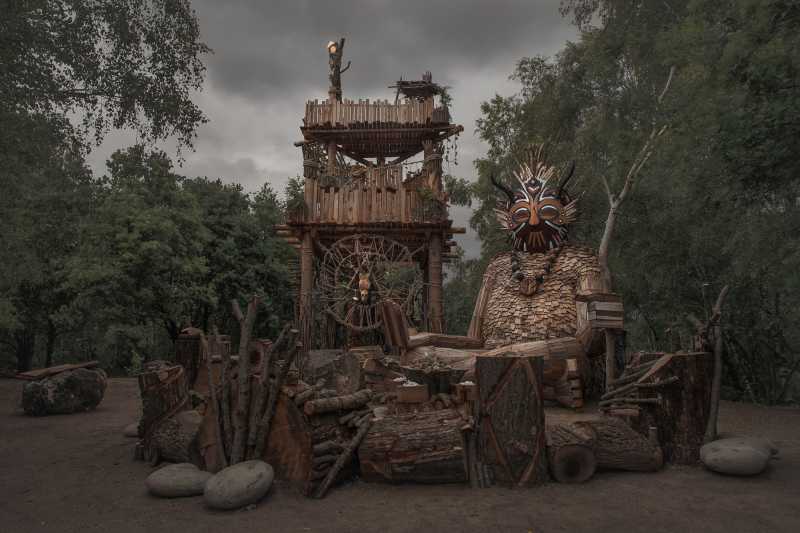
[372, 192]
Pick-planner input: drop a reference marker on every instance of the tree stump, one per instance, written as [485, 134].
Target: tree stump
[420, 447]
[681, 413]
[164, 393]
[510, 419]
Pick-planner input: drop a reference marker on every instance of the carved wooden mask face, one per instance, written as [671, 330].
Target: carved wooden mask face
[537, 213]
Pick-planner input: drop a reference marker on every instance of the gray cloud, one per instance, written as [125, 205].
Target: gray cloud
[269, 58]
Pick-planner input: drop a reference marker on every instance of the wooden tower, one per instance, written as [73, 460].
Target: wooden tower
[369, 212]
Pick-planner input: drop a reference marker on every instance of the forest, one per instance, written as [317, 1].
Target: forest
[111, 267]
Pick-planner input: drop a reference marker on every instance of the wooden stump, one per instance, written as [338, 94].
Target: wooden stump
[420, 448]
[510, 419]
[164, 393]
[681, 413]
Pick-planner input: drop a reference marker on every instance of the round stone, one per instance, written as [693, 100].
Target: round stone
[131, 430]
[239, 485]
[737, 456]
[176, 481]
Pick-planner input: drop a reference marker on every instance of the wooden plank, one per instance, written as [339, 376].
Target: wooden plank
[40, 373]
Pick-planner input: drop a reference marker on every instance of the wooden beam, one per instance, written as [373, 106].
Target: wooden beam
[356, 158]
[403, 158]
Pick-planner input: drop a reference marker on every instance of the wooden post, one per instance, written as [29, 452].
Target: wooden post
[331, 158]
[435, 302]
[306, 281]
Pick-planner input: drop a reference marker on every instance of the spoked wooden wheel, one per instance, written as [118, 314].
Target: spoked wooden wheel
[359, 271]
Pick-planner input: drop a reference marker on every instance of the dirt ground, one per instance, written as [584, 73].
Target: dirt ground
[77, 473]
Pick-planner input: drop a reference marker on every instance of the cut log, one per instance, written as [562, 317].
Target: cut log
[420, 448]
[338, 403]
[618, 447]
[510, 426]
[681, 415]
[570, 451]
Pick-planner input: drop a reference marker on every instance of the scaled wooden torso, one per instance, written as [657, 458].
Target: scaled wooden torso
[511, 317]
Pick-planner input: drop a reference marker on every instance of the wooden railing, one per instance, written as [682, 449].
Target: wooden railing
[348, 113]
[378, 195]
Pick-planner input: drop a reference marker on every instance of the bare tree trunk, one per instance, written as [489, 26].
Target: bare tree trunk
[614, 203]
[243, 369]
[26, 344]
[51, 343]
[716, 383]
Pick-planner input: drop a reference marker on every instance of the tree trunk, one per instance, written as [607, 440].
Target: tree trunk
[51, 343]
[26, 344]
[420, 447]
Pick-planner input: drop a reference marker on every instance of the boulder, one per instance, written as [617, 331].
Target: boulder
[72, 391]
[131, 430]
[238, 485]
[177, 481]
[737, 456]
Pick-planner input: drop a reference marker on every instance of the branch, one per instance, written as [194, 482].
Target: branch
[666, 85]
[237, 311]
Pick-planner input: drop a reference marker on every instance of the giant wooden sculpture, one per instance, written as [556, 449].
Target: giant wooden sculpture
[545, 296]
[374, 229]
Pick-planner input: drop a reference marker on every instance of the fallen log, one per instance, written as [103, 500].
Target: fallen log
[617, 446]
[570, 451]
[338, 403]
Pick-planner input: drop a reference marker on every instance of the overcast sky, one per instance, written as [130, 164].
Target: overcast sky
[270, 57]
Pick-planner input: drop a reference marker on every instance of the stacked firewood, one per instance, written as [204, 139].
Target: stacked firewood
[624, 398]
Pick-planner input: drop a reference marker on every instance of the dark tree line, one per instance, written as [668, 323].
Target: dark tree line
[112, 267]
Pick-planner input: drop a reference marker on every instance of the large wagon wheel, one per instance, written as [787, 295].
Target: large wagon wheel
[359, 271]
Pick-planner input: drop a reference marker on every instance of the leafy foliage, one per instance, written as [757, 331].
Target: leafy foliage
[716, 203]
[117, 64]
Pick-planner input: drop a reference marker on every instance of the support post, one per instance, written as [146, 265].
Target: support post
[306, 280]
[435, 302]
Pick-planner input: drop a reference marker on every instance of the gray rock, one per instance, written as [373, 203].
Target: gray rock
[738, 456]
[176, 481]
[72, 391]
[239, 485]
[131, 430]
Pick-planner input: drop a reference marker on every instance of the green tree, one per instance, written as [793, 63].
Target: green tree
[118, 64]
[139, 271]
[717, 202]
[47, 195]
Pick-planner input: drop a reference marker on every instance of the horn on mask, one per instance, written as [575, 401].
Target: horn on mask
[565, 179]
[503, 188]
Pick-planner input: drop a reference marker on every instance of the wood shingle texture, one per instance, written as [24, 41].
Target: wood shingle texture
[511, 317]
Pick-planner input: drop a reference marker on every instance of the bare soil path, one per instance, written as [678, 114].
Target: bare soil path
[75, 473]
